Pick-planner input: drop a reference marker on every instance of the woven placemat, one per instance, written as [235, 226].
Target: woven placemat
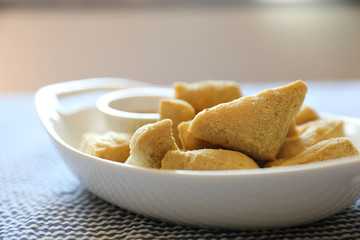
[41, 199]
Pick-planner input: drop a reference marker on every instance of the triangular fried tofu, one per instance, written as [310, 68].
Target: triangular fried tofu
[309, 134]
[329, 149]
[305, 114]
[150, 143]
[255, 125]
[178, 111]
[189, 141]
[111, 145]
[206, 94]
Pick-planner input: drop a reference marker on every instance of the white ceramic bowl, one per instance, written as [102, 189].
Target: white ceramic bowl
[237, 199]
[126, 110]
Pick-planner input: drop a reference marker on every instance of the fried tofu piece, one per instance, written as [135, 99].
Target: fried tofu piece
[178, 111]
[325, 150]
[305, 114]
[255, 125]
[292, 132]
[149, 144]
[206, 94]
[111, 145]
[311, 133]
[275, 163]
[207, 159]
[189, 141]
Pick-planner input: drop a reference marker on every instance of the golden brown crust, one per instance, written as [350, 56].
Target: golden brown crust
[178, 111]
[189, 141]
[311, 133]
[149, 144]
[325, 150]
[255, 125]
[111, 145]
[207, 159]
[306, 114]
[206, 94]
[292, 132]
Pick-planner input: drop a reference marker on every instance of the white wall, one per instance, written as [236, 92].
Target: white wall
[251, 43]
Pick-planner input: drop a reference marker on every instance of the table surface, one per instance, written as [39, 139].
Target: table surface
[40, 198]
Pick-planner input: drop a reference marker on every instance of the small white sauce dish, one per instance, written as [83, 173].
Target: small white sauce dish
[126, 110]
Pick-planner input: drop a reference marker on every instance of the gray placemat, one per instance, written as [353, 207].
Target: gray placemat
[41, 199]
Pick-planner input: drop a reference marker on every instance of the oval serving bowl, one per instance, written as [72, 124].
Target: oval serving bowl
[235, 199]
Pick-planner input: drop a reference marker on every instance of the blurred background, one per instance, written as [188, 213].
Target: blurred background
[162, 41]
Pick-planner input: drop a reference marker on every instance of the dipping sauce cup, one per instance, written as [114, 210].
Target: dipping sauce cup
[128, 109]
